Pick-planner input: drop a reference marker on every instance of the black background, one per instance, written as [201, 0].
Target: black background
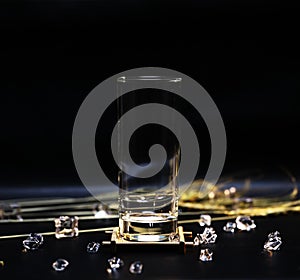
[53, 53]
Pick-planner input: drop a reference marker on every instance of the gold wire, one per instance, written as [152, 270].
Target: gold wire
[111, 228]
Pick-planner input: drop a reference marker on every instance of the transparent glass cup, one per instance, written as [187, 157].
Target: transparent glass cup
[148, 158]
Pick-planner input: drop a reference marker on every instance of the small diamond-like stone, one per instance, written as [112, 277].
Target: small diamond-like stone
[115, 263]
[205, 220]
[208, 236]
[33, 241]
[205, 255]
[274, 241]
[10, 211]
[136, 267]
[230, 227]
[274, 234]
[100, 210]
[66, 227]
[60, 264]
[93, 247]
[174, 237]
[245, 223]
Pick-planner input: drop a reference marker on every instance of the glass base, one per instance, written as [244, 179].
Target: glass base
[147, 227]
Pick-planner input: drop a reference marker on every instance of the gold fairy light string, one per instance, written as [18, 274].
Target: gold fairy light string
[241, 201]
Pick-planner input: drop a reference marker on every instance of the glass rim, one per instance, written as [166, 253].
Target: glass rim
[149, 78]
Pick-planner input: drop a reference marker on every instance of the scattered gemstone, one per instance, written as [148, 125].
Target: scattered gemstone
[93, 247]
[174, 237]
[205, 220]
[136, 267]
[60, 264]
[66, 227]
[10, 211]
[33, 241]
[1, 263]
[274, 241]
[245, 223]
[205, 255]
[100, 210]
[230, 227]
[115, 263]
[208, 236]
[275, 234]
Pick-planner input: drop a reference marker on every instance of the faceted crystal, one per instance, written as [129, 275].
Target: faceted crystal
[136, 267]
[230, 227]
[33, 241]
[115, 263]
[274, 241]
[205, 255]
[66, 226]
[174, 237]
[245, 223]
[10, 211]
[205, 220]
[93, 247]
[275, 234]
[208, 236]
[100, 210]
[60, 264]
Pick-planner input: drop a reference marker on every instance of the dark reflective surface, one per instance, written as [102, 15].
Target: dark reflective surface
[236, 255]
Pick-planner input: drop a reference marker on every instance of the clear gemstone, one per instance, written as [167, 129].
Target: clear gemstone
[1, 263]
[66, 226]
[100, 210]
[136, 267]
[93, 247]
[205, 220]
[230, 227]
[60, 264]
[205, 255]
[274, 241]
[208, 236]
[10, 211]
[115, 263]
[274, 234]
[33, 241]
[245, 223]
[174, 237]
